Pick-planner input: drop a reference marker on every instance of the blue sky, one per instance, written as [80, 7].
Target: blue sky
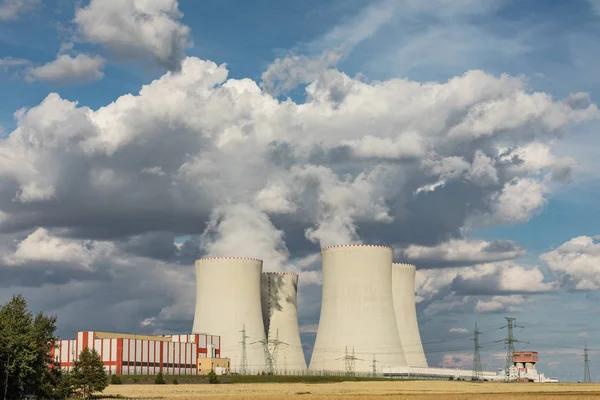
[551, 45]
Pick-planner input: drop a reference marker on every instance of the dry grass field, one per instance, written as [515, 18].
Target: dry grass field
[415, 390]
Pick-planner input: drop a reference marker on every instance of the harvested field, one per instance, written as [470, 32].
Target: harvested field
[389, 390]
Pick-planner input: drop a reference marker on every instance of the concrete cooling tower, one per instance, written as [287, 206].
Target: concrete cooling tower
[227, 300]
[280, 318]
[357, 311]
[403, 287]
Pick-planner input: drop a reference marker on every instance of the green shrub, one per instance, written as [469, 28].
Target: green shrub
[159, 380]
[212, 377]
[175, 381]
[115, 380]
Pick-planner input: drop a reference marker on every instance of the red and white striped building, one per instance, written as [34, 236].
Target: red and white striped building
[125, 354]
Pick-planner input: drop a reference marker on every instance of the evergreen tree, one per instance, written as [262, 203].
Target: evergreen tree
[25, 343]
[88, 375]
[56, 384]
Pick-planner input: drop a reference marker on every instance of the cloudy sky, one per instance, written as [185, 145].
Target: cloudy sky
[137, 136]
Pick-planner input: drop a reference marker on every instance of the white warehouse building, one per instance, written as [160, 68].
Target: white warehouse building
[280, 318]
[227, 302]
[357, 311]
[403, 287]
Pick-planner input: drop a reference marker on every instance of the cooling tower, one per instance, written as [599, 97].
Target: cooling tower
[357, 311]
[280, 318]
[403, 287]
[227, 300]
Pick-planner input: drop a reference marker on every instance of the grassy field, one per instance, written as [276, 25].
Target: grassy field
[389, 390]
[146, 379]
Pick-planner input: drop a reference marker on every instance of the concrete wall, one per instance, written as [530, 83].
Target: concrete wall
[357, 310]
[280, 318]
[227, 299]
[403, 287]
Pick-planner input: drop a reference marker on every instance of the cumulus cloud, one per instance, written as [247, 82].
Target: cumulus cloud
[486, 287]
[198, 153]
[536, 157]
[500, 304]
[460, 252]
[576, 263]
[13, 9]
[40, 246]
[82, 68]
[136, 29]
[284, 74]
[501, 278]
[69, 277]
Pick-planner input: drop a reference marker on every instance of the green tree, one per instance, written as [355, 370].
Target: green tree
[88, 375]
[25, 343]
[56, 384]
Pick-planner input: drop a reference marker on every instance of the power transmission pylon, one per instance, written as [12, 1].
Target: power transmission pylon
[271, 355]
[374, 366]
[244, 363]
[477, 369]
[510, 343]
[586, 366]
[350, 361]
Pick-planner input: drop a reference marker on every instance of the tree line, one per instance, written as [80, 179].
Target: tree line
[26, 365]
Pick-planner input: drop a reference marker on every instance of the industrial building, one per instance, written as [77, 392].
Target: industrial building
[280, 319]
[524, 368]
[403, 289]
[228, 304]
[126, 354]
[357, 325]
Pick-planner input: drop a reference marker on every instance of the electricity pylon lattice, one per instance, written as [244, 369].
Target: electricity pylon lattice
[509, 342]
[244, 363]
[271, 354]
[477, 374]
[586, 366]
[374, 366]
[350, 361]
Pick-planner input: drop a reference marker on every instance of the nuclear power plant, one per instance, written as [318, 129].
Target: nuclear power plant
[246, 322]
[368, 318]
